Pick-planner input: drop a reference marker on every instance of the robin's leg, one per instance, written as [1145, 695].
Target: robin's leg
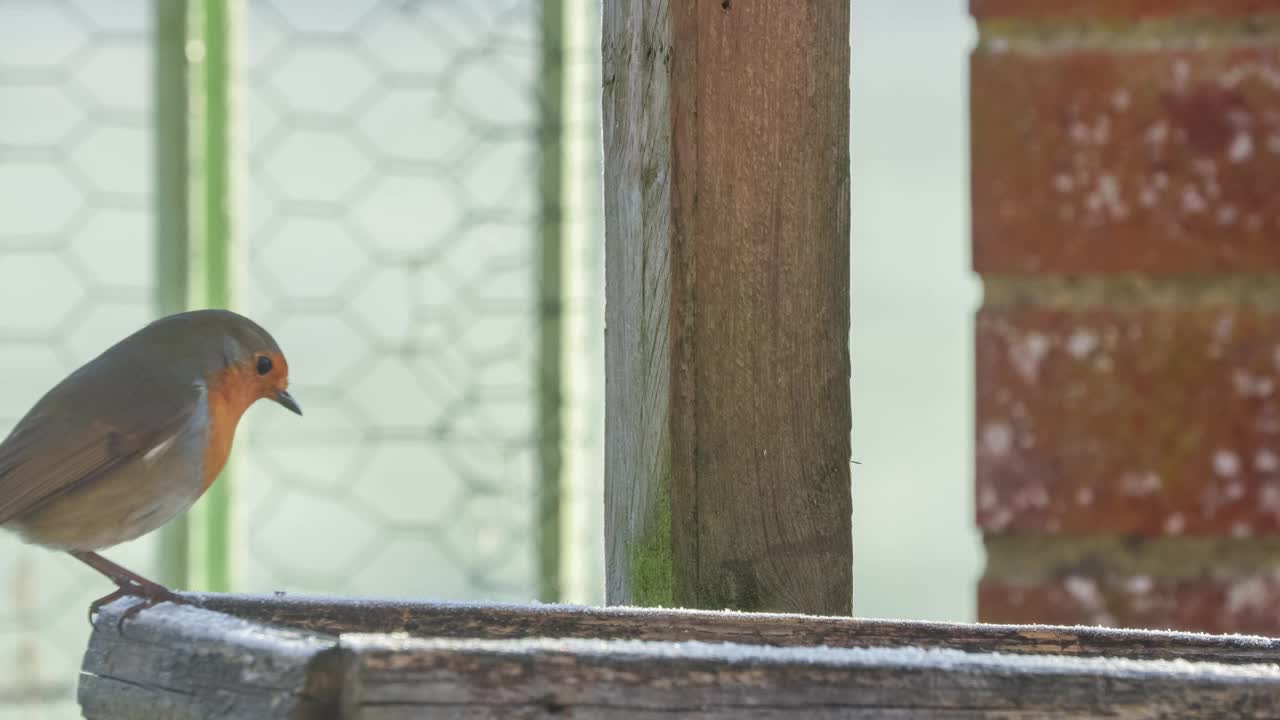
[129, 584]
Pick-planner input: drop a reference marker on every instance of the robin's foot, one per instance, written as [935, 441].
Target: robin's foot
[151, 595]
[151, 599]
[104, 600]
[129, 584]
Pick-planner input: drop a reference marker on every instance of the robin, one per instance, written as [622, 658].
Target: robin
[134, 437]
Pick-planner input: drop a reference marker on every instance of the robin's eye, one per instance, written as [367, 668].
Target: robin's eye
[264, 364]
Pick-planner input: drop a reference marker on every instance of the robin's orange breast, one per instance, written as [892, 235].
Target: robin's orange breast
[228, 395]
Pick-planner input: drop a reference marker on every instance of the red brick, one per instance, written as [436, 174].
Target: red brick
[1131, 421]
[1108, 161]
[1244, 604]
[1139, 9]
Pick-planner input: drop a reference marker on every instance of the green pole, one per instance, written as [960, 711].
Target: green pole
[550, 379]
[196, 236]
[172, 216]
[219, 29]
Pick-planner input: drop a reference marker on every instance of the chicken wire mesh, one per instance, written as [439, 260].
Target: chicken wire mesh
[75, 207]
[391, 223]
[391, 242]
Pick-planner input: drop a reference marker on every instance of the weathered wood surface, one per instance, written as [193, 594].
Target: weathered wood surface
[314, 658]
[727, 272]
[502, 621]
[183, 663]
[398, 679]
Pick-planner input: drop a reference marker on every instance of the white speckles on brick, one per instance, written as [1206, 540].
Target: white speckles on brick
[1212, 498]
[1027, 354]
[987, 499]
[1138, 585]
[1181, 73]
[1267, 423]
[1226, 463]
[1241, 147]
[1224, 328]
[1157, 133]
[1102, 130]
[999, 519]
[1241, 72]
[1273, 143]
[1192, 201]
[1084, 591]
[1082, 343]
[1227, 214]
[1241, 530]
[1246, 594]
[1234, 491]
[1026, 440]
[1109, 191]
[1120, 100]
[1205, 167]
[1175, 524]
[1249, 385]
[1079, 132]
[1140, 484]
[1063, 183]
[1035, 497]
[997, 439]
[1266, 461]
[1148, 197]
[1239, 118]
[1269, 498]
[1084, 496]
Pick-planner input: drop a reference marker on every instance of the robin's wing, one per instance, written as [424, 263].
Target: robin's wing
[53, 450]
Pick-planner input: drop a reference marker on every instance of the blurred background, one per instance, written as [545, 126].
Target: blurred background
[413, 194]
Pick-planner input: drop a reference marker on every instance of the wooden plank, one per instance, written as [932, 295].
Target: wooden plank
[397, 679]
[281, 657]
[330, 616]
[727, 366]
[179, 663]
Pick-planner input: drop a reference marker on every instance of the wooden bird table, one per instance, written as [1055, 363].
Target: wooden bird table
[286, 657]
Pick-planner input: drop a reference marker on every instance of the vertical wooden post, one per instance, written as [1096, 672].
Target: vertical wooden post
[727, 251]
[550, 283]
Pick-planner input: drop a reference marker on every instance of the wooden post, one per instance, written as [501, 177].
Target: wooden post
[727, 252]
[550, 283]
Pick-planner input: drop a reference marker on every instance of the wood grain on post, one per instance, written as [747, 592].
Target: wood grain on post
[727, 365]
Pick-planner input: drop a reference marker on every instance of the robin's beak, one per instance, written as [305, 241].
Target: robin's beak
[284, 398]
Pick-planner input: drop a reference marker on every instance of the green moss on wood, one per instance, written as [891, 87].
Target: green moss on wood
[651, 565]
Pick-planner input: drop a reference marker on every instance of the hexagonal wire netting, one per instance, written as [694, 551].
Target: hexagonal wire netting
[392, 232]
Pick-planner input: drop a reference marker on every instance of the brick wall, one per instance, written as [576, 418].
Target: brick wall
[1126, 222]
